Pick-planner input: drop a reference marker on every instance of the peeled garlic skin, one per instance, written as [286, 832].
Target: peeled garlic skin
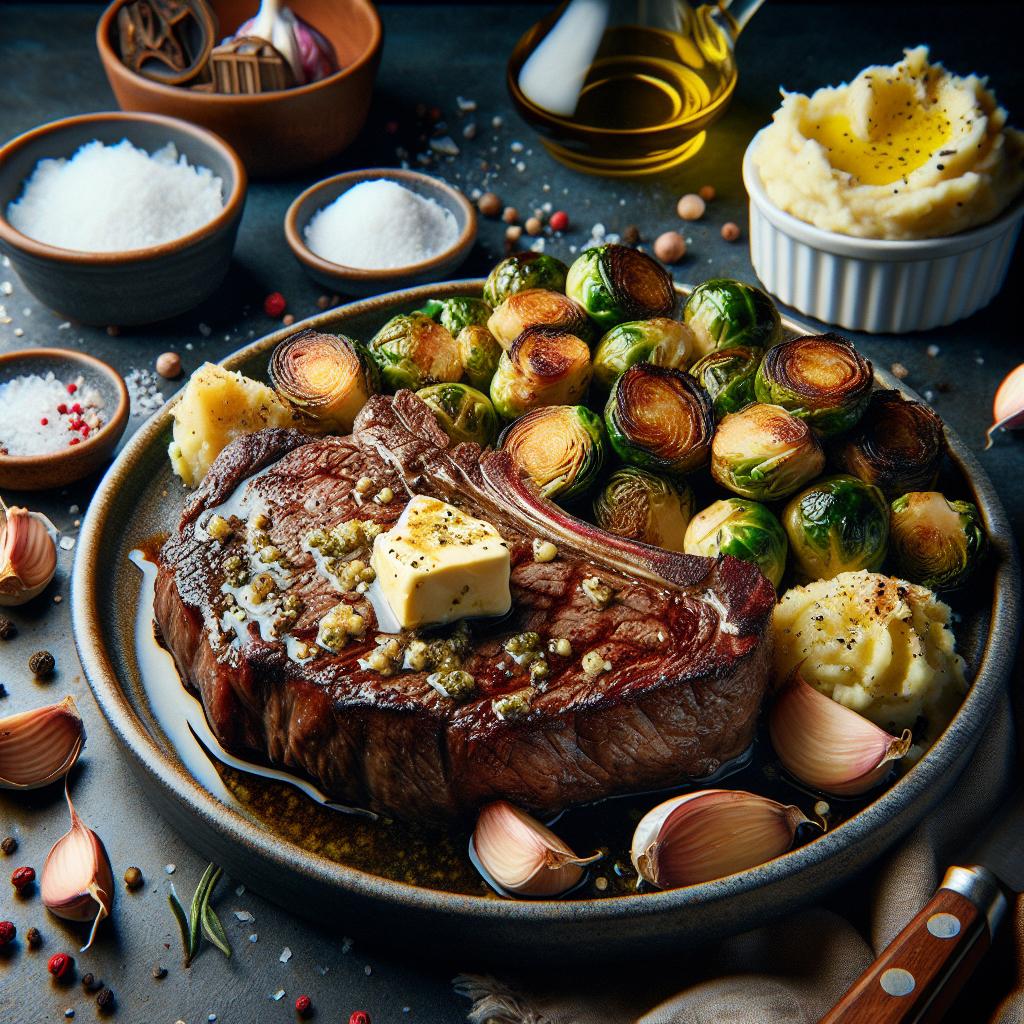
[28, 554]
[38, 747]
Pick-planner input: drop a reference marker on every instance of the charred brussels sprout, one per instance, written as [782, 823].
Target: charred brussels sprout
[659, 340]
[741, 528]
[763, 452]
[326, 376]
[413, 351]
[457, 312]
[723, 313]
[936, 542]
[524, 270]
[727, 374]
[822, 379]
[544, 366]
[561, 448]
[479, 353]
[463, 412]
[646, 507]
[615, 283]
[838, 524]
[538, 307]
[660, 419]
[897, 446]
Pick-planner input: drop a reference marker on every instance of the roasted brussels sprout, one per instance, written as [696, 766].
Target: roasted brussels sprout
[413, 351]
[660, 419]
[647, 507]
[479, 353]
[457, 312]
[326, 376]
[724, 313]
[936, 542]
[544, 366]
[463, 412]
[838, 524]
[524, 270]
[561, 448]
[741, 528]
[615, 283]
[822, 379]
[538, 307]
[659, 340]
[764, 452]
[897, 446]
[727, 374]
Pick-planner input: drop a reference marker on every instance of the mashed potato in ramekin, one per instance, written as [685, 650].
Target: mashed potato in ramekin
[902, 152]
[879, 645]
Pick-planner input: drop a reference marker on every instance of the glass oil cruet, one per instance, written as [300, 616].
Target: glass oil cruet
[627, 87]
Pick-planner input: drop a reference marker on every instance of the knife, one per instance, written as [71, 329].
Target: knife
[921, 972]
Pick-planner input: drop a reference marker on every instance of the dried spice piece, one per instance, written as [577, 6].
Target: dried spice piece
[34, 938]
[105, 1000]
[359, 1017]
[59, 964]
[303, 1004]
[8, 933]
[21, 878]
[8, 630]
[42, 664]
[133, 879]
[9, 845]
[159, 972]
[89, 981]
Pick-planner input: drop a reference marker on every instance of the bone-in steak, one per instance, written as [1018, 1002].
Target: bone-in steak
[682, 642]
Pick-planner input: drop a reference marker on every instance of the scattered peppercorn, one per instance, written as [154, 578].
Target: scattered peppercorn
[8, 630]
[41, 664]
[168, 364]
[287, 319]
[510, 215]
[303, 1004]
[559, 221]
[9, 845]
[89, 982]
[730, 231]
[34, 938]
[359, 1017]
[670, 247]
[133, 878]
[105, 1000]
[513, 233]
[159, 972]
[323, 301]
[533, 226]
[23, 877]
[7, 933]
[630, 234]
[899, 371]
[489, 204]
[59, 964]
[707, 193]
[275, 304]
[691, 207]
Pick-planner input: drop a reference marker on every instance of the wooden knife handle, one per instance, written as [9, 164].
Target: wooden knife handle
[920, 973]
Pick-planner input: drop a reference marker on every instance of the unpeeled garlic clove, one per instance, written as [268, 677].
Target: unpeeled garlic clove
[38, 747]
[1008, 404]
[709, 834]
[28, 554]
[77, 882]
[522, 856]
[827, 745]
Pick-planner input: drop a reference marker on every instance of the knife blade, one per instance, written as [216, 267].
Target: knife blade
[920, 973]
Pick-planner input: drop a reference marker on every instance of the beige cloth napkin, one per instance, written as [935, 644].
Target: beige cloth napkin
[794, 970]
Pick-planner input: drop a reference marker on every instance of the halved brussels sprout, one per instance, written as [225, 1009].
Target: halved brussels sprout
[561, 448]
[544, 366]
[838, 524]
[660, 340]
[326, 376]
[457, 312]
[822, 379]
[764, 452]
[463, 412]
[741, 528]
[479, 352]
[660, 419]
[538, 307]
[413, 351]
[897, 446]
[647, 507]
[524, 270]
[727, 375]
[724, 313]
[615, 283]
[936, 542]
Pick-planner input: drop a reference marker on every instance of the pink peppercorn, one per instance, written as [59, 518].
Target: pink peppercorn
[303, 1005]
[62, 409]
[274, 304]
[22, 877]
[559, 220]
[77, 407]
[72, 388]
[59, 964]
[359, 1017]
[7, 933]
[43, 422]
[85, 430]
[74, 440]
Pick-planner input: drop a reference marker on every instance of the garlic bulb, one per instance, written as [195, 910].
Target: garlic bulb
[77, 882]
[709, 834]
[522, 856]
[38, 747]
[28, 554]
[308, 53]
[827, 745]
[1008, 404]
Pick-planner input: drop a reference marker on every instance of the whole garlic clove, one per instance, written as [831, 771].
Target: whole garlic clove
[827, 745]
[38, 747]
[28, 554]
[710, 834]
[309, 53]
[1008, 405]
[522, 856]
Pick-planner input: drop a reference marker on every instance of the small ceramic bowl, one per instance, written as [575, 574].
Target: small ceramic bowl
[876, 285]
[137, 286]
[56, 469]
[280, 132]
[357, 280]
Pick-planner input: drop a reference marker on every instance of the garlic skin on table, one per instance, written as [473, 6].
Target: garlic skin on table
[827, 745]
[38, 747]
[28, 554]
[522, 856]
[309, 54]
[700, 836]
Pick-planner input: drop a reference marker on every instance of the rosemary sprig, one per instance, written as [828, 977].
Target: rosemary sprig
[202, 919]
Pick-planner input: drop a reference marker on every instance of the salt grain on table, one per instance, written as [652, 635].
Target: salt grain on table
[286, 955]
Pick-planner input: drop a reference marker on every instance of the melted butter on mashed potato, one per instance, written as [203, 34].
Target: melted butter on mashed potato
[879, 645]
[901, 152]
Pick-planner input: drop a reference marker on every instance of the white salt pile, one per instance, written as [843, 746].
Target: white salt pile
[41, 414]
[380, 225]
[113, 198]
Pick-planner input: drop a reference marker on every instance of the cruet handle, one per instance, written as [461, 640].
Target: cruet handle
[737, 13]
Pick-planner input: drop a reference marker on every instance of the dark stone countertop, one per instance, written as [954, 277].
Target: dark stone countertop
[50, 70]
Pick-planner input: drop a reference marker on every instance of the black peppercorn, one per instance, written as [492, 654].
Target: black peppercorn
[8, 630]
[34, 938]
[3, 690]
[159, 972]
[105, 1000]
[88, 981]
[631, 235]
[9, 845]
[41, 664]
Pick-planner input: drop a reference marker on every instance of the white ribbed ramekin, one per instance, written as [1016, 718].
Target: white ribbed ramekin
[876, 285]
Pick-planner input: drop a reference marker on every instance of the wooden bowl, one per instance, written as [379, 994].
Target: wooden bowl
[57, 469]
[358, 280]
[275, 133]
